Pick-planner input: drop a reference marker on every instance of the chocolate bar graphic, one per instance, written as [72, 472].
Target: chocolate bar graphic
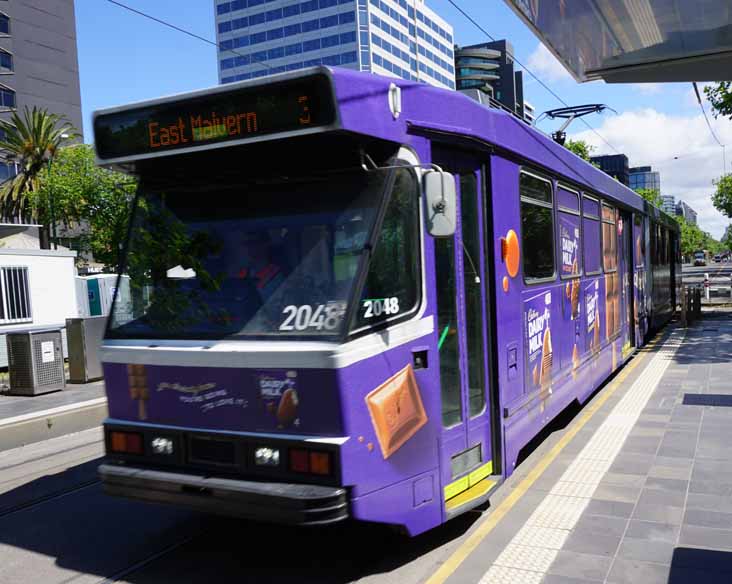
[137, 382]
[396, 410]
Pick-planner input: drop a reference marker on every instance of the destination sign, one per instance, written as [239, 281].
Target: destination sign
[239, 114]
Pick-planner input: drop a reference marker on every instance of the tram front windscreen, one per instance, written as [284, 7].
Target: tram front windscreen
[258, 260]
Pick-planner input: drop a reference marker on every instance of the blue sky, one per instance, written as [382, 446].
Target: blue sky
[124, 57]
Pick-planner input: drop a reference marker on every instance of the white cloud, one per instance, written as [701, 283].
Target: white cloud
[547, 66]
[680, 147]
[648, 88]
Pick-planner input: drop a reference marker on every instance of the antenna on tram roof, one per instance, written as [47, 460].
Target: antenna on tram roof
[569, 114]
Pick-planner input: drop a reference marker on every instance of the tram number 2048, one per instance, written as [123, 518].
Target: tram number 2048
[305, 316]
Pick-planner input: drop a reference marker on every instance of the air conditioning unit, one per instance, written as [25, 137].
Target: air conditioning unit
[85, 337]
[35, 362]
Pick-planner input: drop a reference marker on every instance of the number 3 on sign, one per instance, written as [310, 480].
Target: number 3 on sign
[380, 306]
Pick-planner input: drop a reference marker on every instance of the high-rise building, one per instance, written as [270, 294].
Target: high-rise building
[669, 204]
[38, 62]
[616, 165]
[489, 68]
[683, 210]
[644, 177]
[399, 38]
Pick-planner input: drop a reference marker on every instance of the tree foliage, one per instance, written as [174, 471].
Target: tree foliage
[651, 195]
[31, 139]
[694, 239]
[580, 148]
[722, 195]
[720, 96]
[91, 202]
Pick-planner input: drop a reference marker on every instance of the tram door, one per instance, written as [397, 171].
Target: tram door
[461, 280]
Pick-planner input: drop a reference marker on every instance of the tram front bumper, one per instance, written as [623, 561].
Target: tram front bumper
[287, 503]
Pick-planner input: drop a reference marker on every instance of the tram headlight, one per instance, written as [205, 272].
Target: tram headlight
[264, 456]
[162, 446]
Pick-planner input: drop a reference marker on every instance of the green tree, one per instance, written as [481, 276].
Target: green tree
[722, 195]
[90, 202]
[720, 96]
[31, 140]
[651, 195]
[580, 148]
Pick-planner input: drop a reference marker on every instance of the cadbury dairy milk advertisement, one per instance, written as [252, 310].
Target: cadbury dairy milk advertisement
[569, 230]
[537, 326]
[290, 401]
[592, 312]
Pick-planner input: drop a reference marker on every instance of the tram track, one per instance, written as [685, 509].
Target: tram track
[27, 505]
[139, 565]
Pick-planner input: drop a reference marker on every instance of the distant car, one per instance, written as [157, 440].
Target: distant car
[700, 259]
[718, 258]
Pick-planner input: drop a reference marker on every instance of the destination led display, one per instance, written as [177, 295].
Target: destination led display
[239, 114]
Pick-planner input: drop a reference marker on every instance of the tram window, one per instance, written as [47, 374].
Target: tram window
[570, 240]
[591, 236]
[392, 286]
[470, 218]
[640, 241]
[609, 239]
[537, 227]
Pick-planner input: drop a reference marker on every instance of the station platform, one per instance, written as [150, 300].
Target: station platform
[637, 488]
[29, 419]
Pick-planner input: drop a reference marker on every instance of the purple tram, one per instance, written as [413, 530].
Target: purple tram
[347, 296]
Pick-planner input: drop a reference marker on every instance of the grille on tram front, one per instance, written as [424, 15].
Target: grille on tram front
[212, 451]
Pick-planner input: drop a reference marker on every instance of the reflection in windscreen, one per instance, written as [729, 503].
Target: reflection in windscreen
[251, 260]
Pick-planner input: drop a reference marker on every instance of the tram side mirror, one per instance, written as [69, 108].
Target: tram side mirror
[441, 202]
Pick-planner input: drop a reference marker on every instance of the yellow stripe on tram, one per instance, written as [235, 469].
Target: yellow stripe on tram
[470, 480]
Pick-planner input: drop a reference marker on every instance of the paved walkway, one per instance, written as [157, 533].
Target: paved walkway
[639, 488]
[12, 406]
[29, 419]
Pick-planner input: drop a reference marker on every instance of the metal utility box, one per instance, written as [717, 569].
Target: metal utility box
[35, 362]
[84, 337]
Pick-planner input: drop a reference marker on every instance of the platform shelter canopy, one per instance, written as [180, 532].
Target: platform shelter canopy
[631, 41]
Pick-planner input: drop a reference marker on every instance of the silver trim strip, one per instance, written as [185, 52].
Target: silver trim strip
[264, 354]
[337, 440]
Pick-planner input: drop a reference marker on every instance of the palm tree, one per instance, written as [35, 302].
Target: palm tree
[31, 140]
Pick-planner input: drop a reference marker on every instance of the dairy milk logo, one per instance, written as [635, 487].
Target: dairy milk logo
[274, 387]
[537, 322]
[591, 299]
[569, 248]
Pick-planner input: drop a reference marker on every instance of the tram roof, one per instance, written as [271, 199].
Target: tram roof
[630, 41]
[363, 102]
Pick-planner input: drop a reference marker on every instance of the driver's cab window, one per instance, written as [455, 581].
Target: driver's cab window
[392, 286]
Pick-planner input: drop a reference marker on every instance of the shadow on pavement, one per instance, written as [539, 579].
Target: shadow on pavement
[700, 566]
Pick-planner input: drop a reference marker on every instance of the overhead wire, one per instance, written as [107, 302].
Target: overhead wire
[530, 72]
[179, 29]
[265, 65]
[711, 130]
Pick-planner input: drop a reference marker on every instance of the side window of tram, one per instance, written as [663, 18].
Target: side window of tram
[537, 227]
[610, 265]
[393, 280]
[591, 235]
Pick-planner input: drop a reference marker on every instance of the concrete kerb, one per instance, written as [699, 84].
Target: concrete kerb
[52, 423]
